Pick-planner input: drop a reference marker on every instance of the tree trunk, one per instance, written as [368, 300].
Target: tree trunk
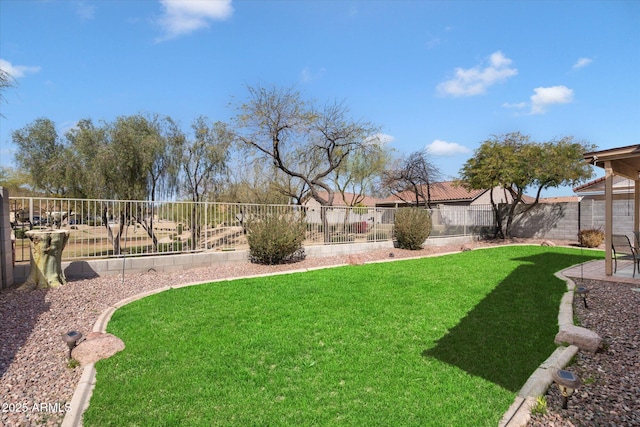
[326, 232]
[46, 255]
[497, 217]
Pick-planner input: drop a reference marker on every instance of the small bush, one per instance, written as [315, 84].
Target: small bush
[540, 407]
[275, 239]
[412, 227]
[591, 238]
[21, 233]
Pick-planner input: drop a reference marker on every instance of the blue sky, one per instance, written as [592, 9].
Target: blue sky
[441, 75]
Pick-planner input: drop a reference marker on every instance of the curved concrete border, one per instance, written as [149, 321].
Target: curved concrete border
[517, 415]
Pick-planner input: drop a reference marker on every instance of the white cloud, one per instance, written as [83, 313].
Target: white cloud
[380, 139]
[476, 80]
[444, 148]
[85, 11]
[186, 16]
[308, 75]
[547, 96]
[517, 106]
[17, 71]
[581, 63]
[433, 42]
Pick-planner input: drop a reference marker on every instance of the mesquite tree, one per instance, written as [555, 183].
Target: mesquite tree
[413, 176]
[306, 142]
[514, 162]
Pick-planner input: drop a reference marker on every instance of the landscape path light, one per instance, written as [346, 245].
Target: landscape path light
[582, 292]
[71, 338]
[567, 382]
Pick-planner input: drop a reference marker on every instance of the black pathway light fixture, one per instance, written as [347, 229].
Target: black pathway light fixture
[583, 292]
[71, 338]
[567, 382]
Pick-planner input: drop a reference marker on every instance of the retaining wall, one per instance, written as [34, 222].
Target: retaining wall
[6, 247]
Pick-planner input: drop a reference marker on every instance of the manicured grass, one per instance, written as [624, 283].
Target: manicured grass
[436, 341]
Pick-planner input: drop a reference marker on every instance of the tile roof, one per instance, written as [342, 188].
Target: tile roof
[597, 185]
[559, 199]
[349, 197]
[446, 191]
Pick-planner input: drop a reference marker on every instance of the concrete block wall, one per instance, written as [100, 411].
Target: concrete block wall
[6, 249]
[108, 267]
[561, 221]
[548, 221]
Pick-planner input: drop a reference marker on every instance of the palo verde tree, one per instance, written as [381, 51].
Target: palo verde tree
[414, 175]
[303, 141]
[86, 143]
[515, 163]
[361, 172]
[6, 81]
[202, 160]
[40, 154]
[128, 159]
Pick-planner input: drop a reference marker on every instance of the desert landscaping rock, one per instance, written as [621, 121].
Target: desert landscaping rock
[610, 390]
[97, 346]
[584, 338]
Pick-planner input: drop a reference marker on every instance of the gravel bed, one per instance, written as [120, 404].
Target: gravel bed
[36, 385]
[610, 390]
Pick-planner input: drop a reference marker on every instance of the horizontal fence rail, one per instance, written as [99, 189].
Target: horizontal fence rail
[116, 228]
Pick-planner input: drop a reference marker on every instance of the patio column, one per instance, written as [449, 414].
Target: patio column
[608, 217]
[636, 207]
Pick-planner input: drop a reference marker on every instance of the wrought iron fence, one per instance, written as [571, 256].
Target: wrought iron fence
[114, 228]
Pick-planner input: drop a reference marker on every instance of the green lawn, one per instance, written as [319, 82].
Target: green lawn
[436, 341]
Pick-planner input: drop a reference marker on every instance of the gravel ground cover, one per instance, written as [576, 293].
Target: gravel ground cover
[36, 384]
[610, 391]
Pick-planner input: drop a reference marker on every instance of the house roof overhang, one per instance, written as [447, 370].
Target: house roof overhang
[624, 161]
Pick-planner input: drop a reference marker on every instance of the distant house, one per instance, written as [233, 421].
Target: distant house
[623, 189]
[350, 199]
[337, 214]
[448, 193]
[560, 199]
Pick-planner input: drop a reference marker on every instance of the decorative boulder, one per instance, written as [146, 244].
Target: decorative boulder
[583, 338]
[355, 259]
[96, 347]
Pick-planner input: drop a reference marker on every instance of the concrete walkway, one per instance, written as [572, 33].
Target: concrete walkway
[594, 270]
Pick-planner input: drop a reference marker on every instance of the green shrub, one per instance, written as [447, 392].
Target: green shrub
[540, 407]
[275, 239]
[412, 227]
[21, 233]
[591, 238]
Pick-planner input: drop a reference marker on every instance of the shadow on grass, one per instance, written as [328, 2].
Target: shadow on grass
[506, 337]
